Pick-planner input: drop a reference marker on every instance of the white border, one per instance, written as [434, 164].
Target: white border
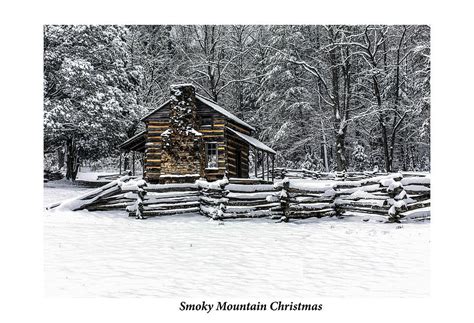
[21, 84]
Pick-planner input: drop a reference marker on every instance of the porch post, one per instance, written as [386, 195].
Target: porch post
[133, 163]
[268, 168]
[143, 165]
[273, 168]
[255, 160]
[120, 164]
[263, 165]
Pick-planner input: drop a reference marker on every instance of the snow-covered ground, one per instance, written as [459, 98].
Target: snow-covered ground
[109, 254]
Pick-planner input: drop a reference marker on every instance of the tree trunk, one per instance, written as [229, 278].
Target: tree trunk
[325, 148]
[60, 152]
[383, 126]
[386, 151]
[341, 151]
[126, 165]
[338, 115]
[72, 160]
[323, 131]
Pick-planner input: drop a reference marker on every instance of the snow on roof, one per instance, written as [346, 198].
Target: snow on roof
[211, 104]
[252, 141]
[223, 111]
[161, 106]
[132, 139]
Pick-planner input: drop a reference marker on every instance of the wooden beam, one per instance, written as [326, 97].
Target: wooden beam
[263, 165]
[120, 163]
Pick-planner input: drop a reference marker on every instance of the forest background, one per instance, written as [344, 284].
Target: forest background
[345, 97]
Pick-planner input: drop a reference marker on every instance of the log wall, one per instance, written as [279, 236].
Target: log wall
[227, 144]
[155, 126]
[234, 146]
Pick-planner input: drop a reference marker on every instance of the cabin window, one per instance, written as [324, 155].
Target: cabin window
[211, 155]
[206, 122]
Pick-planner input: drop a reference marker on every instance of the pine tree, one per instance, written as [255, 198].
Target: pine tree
[90, 91]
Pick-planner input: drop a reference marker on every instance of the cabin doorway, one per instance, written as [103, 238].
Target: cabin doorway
[238, 162]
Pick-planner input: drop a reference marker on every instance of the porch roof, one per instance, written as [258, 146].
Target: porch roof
[136, 143]
[252, 141]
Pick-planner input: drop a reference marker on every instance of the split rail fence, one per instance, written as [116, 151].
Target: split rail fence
[394, 196]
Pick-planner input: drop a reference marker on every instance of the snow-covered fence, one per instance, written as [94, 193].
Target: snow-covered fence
[392, 196]
[117, 194]
[166, 199]
[389, 195]
[281, 173]
[252, 200]
[239, 198]
[306, 198]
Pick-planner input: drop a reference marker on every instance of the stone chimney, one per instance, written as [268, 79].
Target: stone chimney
[182, 146]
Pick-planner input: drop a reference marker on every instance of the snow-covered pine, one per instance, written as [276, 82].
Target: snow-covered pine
[90, 102]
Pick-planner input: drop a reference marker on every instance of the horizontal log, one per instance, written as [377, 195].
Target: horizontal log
[158, 127]
[419, 197]
[310, 214]
[177, 200]
[170, 189]
[111, 201]
[311, 199]
[310, 206]
[245, 188]
[215, 130]
[107, 207]
[364, 210]
[248, 181]
[255, 214]
[235, 202]
[170, 206]
[416, 189]
[194, 210]
[249, 196]
[417, 205]
[364, 203]
[244, 209]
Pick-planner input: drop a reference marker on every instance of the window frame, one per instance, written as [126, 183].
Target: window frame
[216, 154]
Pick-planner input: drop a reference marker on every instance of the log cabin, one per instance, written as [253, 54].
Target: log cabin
[190, 137]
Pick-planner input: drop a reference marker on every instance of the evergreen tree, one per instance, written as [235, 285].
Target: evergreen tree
[90, 92]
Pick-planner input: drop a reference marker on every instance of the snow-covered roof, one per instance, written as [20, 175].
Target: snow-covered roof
[210, 104]
[252, 141]
[135, 142]
[223, 111]
[161, 106]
